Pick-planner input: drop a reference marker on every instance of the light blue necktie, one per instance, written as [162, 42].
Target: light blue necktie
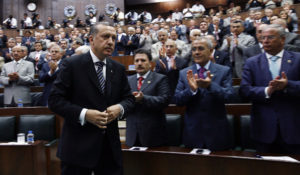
[274, 68]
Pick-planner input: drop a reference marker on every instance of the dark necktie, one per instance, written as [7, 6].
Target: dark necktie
[140, 82]
[201, 72]
[100, 76]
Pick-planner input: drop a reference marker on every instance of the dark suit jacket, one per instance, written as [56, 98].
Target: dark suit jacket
[222, 57]
[282, 108]
[147, 121]
[134, 45]
[205, 122]
[44, 77]
[75, 88]
[172, 74]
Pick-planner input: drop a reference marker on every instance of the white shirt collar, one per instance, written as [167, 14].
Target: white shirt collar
[144, 76]
[206, 65]
[20, 60]
[280, 55]
[95, 58]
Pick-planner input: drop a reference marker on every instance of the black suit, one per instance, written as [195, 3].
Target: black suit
[130, 47]
[75, 88]
[222, 57]
[173, 75]
[147, 121]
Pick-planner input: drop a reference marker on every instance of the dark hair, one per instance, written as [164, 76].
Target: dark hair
[38, 42]
[144, 51]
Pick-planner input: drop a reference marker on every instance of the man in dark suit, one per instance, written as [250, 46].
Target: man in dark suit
[7, 52]
[146, 124]
[272, 81]
[90, 92]
[204, 88]
[130, 41]
[49, 72]
[171, 64]
[219, 57]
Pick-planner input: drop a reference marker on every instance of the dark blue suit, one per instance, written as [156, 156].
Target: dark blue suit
[205, 122]
[147, 121]
[222, 57]
[172, 74]
[130, 47]
[44, 77]
[281, 112]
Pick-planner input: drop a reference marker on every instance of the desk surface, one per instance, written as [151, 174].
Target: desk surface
[178, 161]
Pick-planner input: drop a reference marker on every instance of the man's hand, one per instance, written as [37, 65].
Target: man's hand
[192, 80]
[113, 112]
[279, 83]
[138, 96]
[162, 51]
[204, 83]
[162, 64]
[98, 118]
[53, 66]
[173, 63]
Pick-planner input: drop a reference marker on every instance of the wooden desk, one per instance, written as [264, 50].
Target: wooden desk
[178, 161]
[23, 159]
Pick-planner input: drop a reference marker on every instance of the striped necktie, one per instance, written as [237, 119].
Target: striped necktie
[100, 76]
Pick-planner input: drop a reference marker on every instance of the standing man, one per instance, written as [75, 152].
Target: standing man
[90, 93]
[146, 124]
[130, 42]
[17, 76]
[158, 50]
[49, 72]
[204, 88]
[272, 81]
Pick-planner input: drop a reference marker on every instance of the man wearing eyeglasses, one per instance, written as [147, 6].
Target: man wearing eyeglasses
[271, 80]
[204, 88]
[49, 72]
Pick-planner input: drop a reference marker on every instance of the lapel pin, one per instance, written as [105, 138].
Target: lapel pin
[217, 56]
[211, 75]
[149, 82]
[289, 61]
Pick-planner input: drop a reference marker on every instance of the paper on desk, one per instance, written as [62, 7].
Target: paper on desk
[200, 151]
[135, 148]
[281, 158]
[14, 143]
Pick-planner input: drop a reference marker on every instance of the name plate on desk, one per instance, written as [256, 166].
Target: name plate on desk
[200, 151]
[14, 143]
[131, 67]
[135, 148]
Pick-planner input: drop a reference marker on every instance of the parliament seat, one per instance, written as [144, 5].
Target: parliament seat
[174, 129]
[246, 142]
[7, 128]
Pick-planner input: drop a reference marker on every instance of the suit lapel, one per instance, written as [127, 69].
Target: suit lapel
[213, 71]
[133, 83]
[286, 61]
[147, 81]
[109, 76]
[87, 59]
[264, 67]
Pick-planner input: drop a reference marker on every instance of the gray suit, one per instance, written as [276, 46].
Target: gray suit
[292, 42]
[236, 53]
[251, 51]
[19, 89]
[147, 122]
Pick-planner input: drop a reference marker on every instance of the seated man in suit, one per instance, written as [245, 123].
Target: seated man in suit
[271, 80]
[146, 124]
[171, 64]
[204, 88]
[17, 76]
[219, 57]
[49, 72]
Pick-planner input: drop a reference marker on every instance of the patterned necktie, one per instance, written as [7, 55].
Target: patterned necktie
[274, 68]
[100, 76]
[201, 72]
[140, 82]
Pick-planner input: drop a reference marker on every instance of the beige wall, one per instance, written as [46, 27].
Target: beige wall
[54, 8]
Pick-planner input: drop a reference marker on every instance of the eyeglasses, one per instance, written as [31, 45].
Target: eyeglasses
[198, 48]
[271, 37]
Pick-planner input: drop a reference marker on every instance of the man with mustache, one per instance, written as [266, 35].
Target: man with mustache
[90, 93]
[146, 124]
[204, 88]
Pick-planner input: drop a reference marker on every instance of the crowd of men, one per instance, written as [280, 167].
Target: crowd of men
[195, 64]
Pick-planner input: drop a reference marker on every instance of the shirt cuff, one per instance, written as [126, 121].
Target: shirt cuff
[82, 116]
[266, 92]
[194, 93]
[122, 111]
